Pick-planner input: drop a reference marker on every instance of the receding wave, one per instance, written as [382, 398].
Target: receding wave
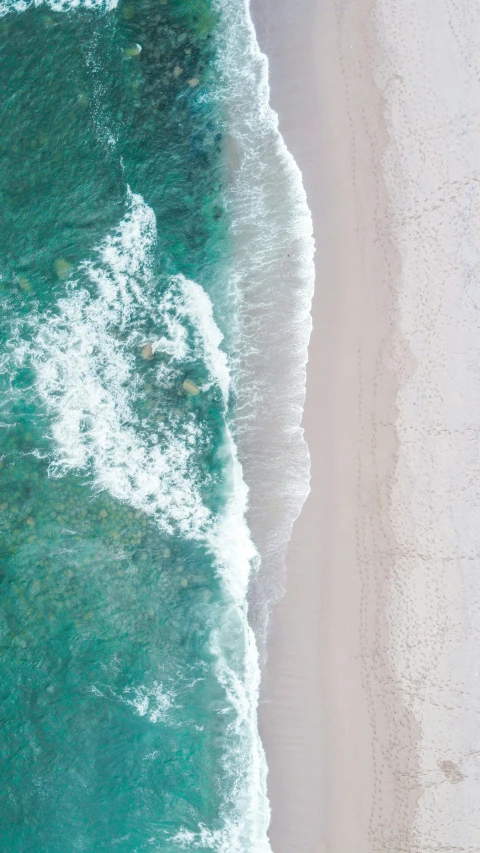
[273, 277]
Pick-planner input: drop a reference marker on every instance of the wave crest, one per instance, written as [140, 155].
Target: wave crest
[91, 376]
[18, 6]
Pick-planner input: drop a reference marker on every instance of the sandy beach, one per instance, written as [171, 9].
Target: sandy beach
[370, 704]
[340, 745]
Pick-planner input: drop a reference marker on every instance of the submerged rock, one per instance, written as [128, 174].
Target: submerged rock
[62, 268]
[24, 284]
[189, 387]
[147, 352]
[133, 51]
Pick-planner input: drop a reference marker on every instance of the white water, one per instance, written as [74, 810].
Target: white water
[17, 6]
[246, 812]
[272, 279]
[86, 355]
[86, 364]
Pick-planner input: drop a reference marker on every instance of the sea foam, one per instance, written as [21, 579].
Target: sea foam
[9, 6]
[86, 356]
[271, 279]
[271, 284]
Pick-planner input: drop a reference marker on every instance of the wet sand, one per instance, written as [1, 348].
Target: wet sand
[339, 739]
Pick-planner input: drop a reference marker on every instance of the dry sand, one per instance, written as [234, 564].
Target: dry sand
[340, 741]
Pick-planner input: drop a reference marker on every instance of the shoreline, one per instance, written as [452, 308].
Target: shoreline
[339, 741]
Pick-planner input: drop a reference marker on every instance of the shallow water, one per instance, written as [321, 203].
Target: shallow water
[129, 673]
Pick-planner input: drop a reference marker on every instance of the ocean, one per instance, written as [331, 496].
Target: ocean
[156, 275]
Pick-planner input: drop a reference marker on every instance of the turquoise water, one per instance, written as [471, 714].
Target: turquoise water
[129, 672]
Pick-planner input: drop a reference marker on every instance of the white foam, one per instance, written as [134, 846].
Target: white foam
[86, 357]
[271, 285]
[245, 810]
[230, 539]
[199, 311]
[154, 702]
[271, 280]
[270, 220]
[9, 6]
[188, 301]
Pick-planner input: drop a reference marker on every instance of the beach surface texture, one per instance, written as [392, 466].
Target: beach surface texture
[370, 707]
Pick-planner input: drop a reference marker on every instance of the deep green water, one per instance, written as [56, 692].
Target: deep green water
[115, 723]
